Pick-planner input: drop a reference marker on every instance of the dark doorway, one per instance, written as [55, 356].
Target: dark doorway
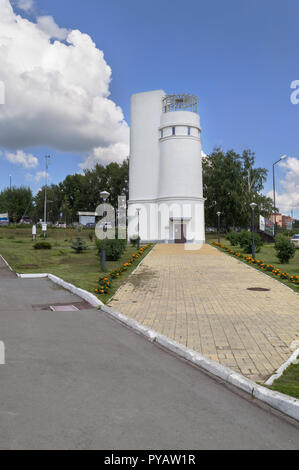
[180, 233]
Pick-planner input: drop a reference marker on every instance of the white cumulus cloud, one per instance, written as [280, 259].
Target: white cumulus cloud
[113, 153]
[27, 160]
[25, 5]
[47, 25]
[41, 175]
[57, 92]
[288, 197]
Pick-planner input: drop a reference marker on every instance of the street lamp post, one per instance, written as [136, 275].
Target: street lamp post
[138, 239]
[253, 206]
[10, 182]
[273, 169]
[104, 196]
[47, 157]
[219, 214]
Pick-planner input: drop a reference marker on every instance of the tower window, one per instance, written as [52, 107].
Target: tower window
[189, 130]
[161, 132]
[173, 131]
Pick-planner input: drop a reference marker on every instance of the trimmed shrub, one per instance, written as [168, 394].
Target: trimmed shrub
[233, 238]
[245, 241]
[114, 248]
[285, 249]
[42, 246]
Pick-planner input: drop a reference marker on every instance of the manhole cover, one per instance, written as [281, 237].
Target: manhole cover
[258, 289]
[63, 308]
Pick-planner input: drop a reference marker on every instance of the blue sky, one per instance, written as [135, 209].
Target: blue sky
[239, 57]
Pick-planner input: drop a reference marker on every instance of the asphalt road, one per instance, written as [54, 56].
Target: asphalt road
[80, 380]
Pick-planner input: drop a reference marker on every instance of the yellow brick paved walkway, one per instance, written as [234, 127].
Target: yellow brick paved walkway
[200, 299]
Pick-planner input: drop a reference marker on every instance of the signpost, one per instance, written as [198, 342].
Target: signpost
[44, 229]
[4, 220]
[266, 226]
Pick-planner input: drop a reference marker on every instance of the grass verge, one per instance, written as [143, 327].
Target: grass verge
[288, 382]
[82, 270]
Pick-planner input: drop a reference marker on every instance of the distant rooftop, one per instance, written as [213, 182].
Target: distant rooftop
[183, 102]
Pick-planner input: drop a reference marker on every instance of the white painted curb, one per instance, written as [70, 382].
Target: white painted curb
[279, 401]
[283, 367]
[84, 294]
[9, 267]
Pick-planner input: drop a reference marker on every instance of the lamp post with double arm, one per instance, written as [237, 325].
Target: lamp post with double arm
[253, 206]
[273, 170]
[218, 214]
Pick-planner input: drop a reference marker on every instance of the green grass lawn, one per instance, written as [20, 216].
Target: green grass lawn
[288, 383]
[267, 254]
[82, 270]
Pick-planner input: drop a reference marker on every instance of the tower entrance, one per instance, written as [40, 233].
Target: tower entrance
[180, 233]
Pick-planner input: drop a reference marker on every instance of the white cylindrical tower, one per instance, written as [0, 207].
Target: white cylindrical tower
[180, 150]
[165, 169]
[180, 190]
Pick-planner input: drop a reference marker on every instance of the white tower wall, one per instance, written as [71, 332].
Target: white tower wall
[144, 144]
[165, 171]
[180, 155]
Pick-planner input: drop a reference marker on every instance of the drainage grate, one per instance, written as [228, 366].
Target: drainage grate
[258, 289]
[83, 305]
[63, 308]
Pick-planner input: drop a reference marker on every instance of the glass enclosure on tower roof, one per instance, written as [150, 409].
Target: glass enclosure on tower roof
[183, 102]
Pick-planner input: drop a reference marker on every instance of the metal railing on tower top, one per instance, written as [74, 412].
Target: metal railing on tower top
[184, 102]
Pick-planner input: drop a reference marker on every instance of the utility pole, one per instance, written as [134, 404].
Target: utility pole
[47, 158]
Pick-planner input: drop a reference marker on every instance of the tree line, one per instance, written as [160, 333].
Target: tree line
[231, 182]
[78, 192]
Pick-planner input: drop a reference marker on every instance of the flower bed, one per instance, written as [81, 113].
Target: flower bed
[105, 282]
[261, 264]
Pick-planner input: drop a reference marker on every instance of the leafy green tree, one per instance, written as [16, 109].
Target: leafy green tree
[82, 192]
[231, 183]
[54, 203]
[17, 202]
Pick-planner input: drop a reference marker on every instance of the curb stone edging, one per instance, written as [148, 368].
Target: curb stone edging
[279, 401]
[4, 260]
[283, 367]
[84, 294]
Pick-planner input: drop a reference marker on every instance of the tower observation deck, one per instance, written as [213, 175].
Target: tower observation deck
[184, 102]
